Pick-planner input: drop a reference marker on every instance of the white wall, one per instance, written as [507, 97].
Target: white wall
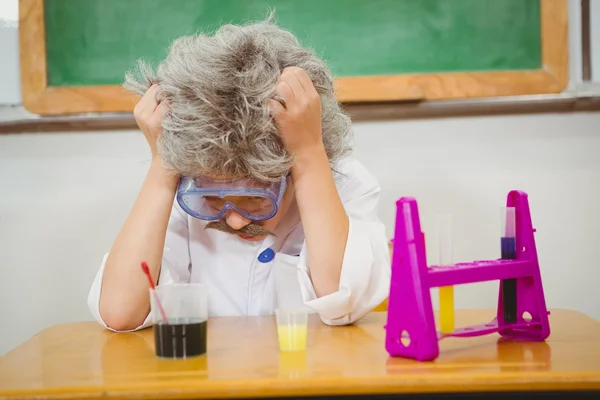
[64, 197]
[10, 91]
[595, 38]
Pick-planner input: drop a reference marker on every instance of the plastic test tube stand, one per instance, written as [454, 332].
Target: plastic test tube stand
[410, 312]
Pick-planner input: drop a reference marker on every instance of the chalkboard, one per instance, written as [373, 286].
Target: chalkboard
[379, 50]
[94, 43]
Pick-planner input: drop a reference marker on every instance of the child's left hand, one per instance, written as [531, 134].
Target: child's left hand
[299, 117]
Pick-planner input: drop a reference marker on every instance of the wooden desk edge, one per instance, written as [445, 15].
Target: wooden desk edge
[295, 387]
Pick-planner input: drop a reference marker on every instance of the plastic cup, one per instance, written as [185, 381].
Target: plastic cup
[444, 238]
[292, 329]
[183, 334]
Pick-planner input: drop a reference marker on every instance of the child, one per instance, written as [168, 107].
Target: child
[252, 189]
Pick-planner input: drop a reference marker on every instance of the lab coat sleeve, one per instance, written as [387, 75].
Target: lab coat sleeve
[366, 271]
[175, 266]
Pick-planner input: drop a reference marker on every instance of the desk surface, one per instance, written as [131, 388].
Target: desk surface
[83, 360]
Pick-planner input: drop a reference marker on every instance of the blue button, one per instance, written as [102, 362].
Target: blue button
[266, 256]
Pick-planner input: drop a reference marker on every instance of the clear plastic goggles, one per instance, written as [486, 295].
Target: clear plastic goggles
[209, 199]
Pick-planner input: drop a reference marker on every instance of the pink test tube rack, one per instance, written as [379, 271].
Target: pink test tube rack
[411, 331]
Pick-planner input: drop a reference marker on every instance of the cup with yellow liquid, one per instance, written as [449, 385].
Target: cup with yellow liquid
[292, 329]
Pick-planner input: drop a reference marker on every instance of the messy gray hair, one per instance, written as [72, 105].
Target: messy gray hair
[217, 88]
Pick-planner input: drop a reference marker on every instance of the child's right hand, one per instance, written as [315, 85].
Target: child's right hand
[149, 114]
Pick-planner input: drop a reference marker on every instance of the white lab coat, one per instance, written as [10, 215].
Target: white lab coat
[239, 284]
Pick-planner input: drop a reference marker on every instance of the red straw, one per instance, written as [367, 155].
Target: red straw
[147, 272]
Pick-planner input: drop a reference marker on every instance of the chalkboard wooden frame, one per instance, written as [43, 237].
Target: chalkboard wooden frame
[553, 77]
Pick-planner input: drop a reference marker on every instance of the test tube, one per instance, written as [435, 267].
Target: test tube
[444, 237]
[508, 251]
[445, 259]
[508, 233]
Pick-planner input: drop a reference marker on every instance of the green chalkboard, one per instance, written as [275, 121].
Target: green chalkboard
[93, 42]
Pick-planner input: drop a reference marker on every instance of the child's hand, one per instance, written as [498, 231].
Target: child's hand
[149, 115]
[298, 115]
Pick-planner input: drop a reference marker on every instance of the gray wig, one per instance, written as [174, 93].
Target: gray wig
[216, 88]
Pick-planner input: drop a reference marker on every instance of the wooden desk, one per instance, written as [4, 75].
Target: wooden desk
[82, 360]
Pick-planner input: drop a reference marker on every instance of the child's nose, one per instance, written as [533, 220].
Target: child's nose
[236, 221]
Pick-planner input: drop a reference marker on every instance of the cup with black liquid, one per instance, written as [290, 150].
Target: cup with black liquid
[180, 327]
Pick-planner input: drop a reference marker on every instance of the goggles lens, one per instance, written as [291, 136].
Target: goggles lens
[208, 199]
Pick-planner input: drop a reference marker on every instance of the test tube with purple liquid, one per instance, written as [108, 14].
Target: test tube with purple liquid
[508, 250]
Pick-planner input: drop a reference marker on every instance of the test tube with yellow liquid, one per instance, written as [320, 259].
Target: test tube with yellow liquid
[445, 259]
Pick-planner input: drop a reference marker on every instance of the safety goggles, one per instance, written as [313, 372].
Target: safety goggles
[210, 199]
